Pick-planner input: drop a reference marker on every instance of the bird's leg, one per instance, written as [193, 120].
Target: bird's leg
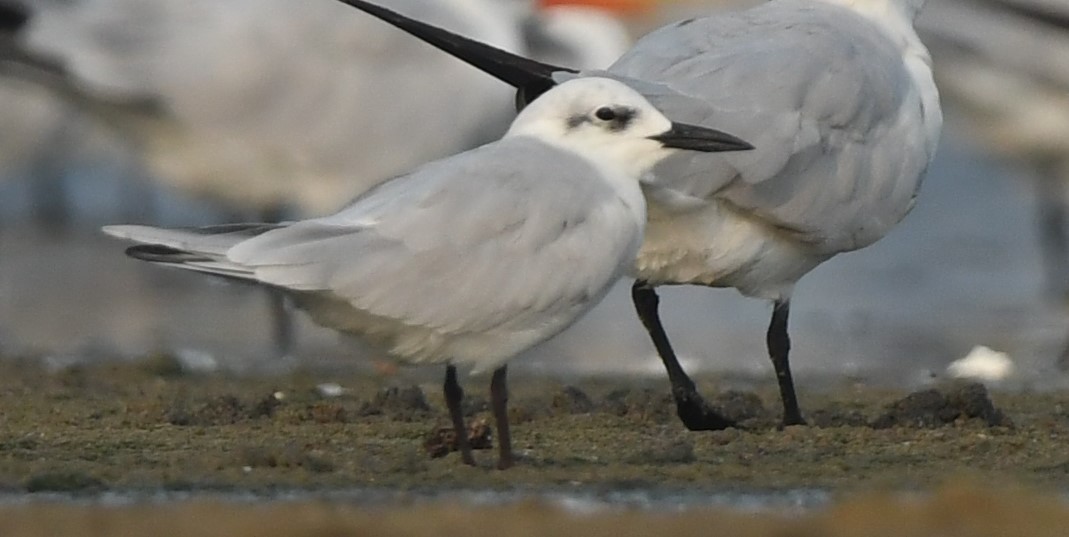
[283, 329]
[1053, 242]
[779, 347]
[692, 409]
[499, 399]
[1063, 358]
[454, 394]
[50, 196]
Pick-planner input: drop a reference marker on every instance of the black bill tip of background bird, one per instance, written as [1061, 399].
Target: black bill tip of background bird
[531, 78]
[695, 138]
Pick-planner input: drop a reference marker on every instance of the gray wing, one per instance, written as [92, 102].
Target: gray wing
[821, 93]
[512, 234]
[301, 100]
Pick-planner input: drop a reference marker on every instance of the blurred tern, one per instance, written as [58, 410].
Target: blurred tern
[1006, 62]
[271, 104]
[837, 97]
[472, 259]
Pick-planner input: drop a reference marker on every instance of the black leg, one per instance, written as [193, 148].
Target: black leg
[1063, 358]
[779, 347]
[48, 185]
[1053, 243]
[49, 193]
[692, 409]
[499, 398]
[282, 329]
[453, 396]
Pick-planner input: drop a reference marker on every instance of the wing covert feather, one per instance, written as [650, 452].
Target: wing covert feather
[417, 249]
[828, 104]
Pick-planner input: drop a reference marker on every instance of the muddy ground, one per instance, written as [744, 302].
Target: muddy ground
[146, 427]
[152, 426]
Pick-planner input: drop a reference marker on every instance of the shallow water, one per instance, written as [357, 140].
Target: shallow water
[576, 500]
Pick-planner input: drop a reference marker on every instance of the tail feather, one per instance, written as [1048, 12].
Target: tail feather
[198, 249]
[155, 253]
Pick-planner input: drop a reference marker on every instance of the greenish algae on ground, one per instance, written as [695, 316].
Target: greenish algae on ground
[148, 426]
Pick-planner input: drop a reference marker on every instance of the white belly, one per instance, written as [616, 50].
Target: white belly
[718, 247]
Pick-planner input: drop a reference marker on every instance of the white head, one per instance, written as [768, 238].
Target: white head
[613, 125]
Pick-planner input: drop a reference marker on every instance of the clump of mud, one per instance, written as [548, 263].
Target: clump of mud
[399, 403]
[289, 455]
[940, 407]
[643, 404]
[221, 410]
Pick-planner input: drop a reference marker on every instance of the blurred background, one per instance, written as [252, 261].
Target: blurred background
[188, 113]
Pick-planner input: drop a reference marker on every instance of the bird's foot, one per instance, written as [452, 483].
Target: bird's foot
[697, 415]
[506, 462]
[792, 415]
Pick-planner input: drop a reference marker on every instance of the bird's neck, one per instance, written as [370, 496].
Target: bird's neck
[895, 17]
[884, 10]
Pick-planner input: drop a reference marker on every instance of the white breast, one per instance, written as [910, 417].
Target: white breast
[717, 246]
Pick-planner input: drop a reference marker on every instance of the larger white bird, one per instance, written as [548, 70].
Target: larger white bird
[838, 98]
[472, 259]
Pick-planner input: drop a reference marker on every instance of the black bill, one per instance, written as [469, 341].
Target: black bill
[530, 78]
[695, 138]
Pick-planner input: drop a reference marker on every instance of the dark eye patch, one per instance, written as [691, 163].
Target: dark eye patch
[617, 118]
[620, 117]
[576, 120]
[605, 113]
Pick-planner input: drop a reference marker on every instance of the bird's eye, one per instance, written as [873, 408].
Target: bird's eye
[605, 113]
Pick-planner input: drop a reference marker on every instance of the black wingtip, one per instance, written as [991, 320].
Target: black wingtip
[156, 253]
[531, 78]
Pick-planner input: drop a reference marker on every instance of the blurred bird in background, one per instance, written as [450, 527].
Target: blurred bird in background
[1005, 63]
[268, 108]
